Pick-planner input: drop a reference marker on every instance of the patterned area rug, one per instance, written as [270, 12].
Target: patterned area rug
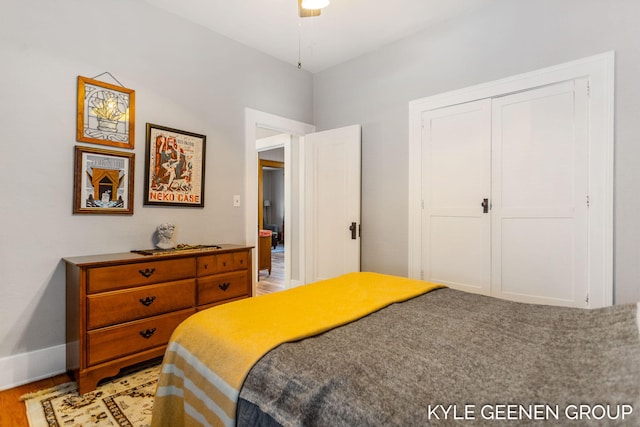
[124, 401]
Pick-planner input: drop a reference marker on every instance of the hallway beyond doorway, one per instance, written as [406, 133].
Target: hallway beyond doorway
[273, 282]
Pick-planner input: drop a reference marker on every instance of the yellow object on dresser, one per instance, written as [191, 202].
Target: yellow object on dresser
[122, 308]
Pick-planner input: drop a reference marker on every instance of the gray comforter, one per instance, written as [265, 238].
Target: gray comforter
[449, 357]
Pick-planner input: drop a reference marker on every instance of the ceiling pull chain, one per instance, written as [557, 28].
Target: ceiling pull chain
[299, 49]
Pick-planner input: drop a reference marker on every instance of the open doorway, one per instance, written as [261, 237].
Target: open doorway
[271, 221]
[261, 131]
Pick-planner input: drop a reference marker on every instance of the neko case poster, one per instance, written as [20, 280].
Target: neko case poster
[174, 167]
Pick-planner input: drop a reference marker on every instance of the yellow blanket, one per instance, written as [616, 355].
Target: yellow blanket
[211, 352]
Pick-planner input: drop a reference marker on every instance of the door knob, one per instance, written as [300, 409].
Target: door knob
[353, 227]
[485, 205]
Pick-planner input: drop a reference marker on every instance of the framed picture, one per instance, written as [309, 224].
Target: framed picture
[103, 181]
[106, 113]
[174, 167]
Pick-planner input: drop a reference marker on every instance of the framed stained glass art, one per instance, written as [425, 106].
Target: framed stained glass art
[106, 113]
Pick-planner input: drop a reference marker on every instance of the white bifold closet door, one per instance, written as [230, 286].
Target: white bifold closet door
[505, 183]
[456, 173]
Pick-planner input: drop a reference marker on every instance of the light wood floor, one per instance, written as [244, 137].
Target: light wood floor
[12, 410]
[273, 282]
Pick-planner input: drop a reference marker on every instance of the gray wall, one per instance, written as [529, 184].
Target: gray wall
[273, 187]
[507, 38]
[184, 76]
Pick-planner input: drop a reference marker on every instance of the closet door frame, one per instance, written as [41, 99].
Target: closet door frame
[599, 71]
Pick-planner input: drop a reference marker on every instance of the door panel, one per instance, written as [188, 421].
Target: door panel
[456, 178]
[536, 256]
[540, 185]
[452, 246]
[534, 132]
[332, 202]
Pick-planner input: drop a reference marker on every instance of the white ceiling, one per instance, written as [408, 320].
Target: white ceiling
[345, 29]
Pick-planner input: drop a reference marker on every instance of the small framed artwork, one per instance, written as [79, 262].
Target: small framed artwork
[106, 113]
[103, 181]
[174, 167]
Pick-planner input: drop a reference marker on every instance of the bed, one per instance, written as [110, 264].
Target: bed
[367, 349]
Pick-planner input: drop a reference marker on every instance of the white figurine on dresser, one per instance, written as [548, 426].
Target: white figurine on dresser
[164, 233]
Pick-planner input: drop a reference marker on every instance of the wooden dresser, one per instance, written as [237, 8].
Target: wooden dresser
[122, 308]
[264, 251]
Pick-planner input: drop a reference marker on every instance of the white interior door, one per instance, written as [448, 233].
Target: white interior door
[540, 195]
[456, 180]
[332, 202]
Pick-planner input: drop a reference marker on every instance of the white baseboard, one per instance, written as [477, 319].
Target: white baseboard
[295, 284]
[33, 366]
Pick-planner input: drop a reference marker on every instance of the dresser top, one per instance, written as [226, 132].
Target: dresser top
[152, 255]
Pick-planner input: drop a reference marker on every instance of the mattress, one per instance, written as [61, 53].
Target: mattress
[449, 357]
[439, 357]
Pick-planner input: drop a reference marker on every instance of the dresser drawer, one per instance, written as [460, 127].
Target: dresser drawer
[117, 341]
[222, 263]
[222, 286]
[141, 273]
[121, 306]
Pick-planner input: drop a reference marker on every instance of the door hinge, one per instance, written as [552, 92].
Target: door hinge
[422, 203]
[421, 274]
[588, 202]
[587, 298]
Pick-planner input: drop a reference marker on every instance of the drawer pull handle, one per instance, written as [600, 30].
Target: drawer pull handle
[224, 286]
[147, 301]
[147, 272]
[206, 266]
[148, 333]
[224, 263]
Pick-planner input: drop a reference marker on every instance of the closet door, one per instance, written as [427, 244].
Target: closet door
[456, 168]
[539, 195]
